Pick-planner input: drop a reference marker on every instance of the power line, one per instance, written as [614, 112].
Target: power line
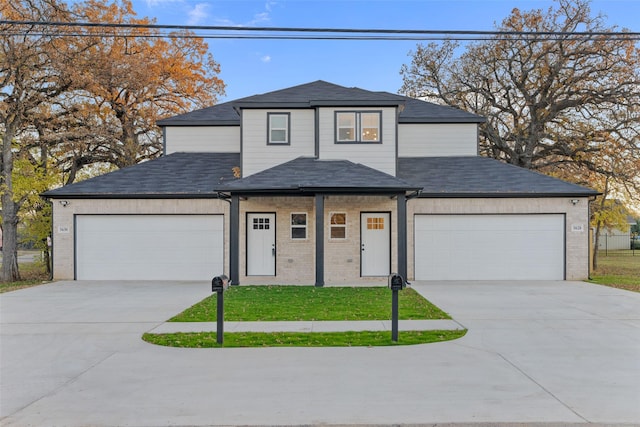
[297, 37]
[289, 33]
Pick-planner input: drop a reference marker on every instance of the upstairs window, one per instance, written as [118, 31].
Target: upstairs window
[358, 126]
[278, 128]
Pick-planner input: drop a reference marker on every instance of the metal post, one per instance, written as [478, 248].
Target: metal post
[394, 315]
[220, 313]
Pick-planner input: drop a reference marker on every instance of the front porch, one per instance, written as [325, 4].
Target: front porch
[317, 239]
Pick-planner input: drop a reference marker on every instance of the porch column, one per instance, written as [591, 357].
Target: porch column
[402, 235]
[234, 240]
[319, 240]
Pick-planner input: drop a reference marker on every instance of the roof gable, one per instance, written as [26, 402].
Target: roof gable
[323, 94]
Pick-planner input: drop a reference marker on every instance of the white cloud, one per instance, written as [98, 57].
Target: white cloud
[199, 13]
[152, 3]
[260, 17]
[266, 59]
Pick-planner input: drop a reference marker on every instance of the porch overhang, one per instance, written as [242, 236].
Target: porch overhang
[308, 176]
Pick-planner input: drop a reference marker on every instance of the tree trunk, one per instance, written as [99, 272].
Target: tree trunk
[47, 262]
[596, 243]
[10, 270]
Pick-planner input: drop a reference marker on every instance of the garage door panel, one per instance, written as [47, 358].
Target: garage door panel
[489, 247]
[149, 247]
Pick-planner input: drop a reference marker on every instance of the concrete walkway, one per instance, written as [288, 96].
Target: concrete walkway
[549, 353]
[309, 326]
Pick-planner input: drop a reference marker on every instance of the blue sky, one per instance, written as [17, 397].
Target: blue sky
[250, 67]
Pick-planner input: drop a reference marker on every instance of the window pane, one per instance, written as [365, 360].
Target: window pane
[278, 122]
[347, 119]
[370, 134]
[370, 120]
[298, 233]
[338, 218]
[346, 123]
[338, 232]
[346, 134]
[370, 126]
[278, 136]
[299, 219]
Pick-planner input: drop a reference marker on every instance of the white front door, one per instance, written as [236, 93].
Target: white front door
[375, 245]
[261, 244]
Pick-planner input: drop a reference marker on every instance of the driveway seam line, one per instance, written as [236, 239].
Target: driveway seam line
[542, 387]
[55, 390]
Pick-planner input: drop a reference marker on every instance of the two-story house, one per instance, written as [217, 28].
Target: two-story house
[321, 184]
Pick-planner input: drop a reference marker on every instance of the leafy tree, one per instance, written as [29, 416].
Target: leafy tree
[34, 68]
[136, 78]
[84, 96]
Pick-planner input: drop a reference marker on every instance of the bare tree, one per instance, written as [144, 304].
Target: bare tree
[564, 103]
[545, 97]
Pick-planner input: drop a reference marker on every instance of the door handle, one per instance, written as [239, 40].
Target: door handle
[273, 249]
[363, 247]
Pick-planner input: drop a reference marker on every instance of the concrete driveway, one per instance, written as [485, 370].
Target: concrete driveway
[536, 352]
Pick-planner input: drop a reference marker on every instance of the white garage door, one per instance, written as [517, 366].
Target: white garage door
[489, 247]
[149, 247]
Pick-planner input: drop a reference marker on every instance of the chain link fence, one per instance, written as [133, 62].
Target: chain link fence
[619, 245]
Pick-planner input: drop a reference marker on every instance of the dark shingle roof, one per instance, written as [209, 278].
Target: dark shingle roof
[217, 115]
[417, 111]
[174, 175]
[204, 174]
[321, 93]
[310, 174]
[482, 177]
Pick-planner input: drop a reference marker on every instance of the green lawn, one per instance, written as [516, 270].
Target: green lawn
[32, 273]
[289, 339]
[297, 303]
[620, 269]
[307, 303]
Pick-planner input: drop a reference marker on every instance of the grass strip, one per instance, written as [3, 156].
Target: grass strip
[300, 339]
[620, 269]
[304, 303]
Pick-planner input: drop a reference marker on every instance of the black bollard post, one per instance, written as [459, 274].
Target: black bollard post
[394, 315]
[396, 283]
[220, 315]
[219, 284]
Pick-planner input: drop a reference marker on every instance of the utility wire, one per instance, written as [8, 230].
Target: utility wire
[298, 37]
[321, 33]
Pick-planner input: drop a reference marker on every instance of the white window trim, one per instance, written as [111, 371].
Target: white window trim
[346, 221]
[305, 226]
[287, 129]
[358, 127]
